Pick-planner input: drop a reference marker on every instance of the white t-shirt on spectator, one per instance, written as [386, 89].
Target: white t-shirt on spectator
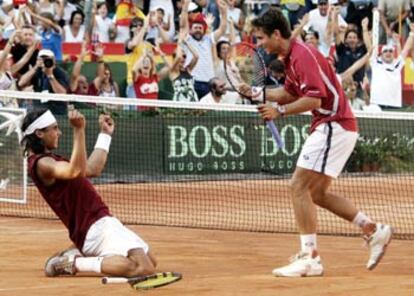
[102, 28]
[386, 82]
[319, 23]
[204, 69]
[230, 97]
[74, 39]
[371, 108]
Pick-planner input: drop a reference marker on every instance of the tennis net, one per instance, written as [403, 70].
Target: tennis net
[217, 166]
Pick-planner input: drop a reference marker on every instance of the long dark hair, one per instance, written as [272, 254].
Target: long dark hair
[32, 142]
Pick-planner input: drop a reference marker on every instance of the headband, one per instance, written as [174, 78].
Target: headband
[43, 121]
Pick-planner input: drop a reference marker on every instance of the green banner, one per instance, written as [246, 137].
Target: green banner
[151, 147]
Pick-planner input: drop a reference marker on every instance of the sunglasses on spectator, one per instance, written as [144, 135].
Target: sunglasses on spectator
[388, 50]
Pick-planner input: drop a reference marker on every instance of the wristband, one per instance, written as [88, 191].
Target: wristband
[103, 142]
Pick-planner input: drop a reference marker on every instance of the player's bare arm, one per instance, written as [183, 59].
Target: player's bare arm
[49, 169]
[301, 105]
[97, 159]
[279, 95]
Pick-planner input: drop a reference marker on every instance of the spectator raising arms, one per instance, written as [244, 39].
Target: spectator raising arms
[350, 48]
[103, 24]
[79, 83]
[135, 46]
[235, 19]
[26, 44]
[56, 8]
[203, 43]
[146, 78]
[51, 33]
[126, 11]
[180, 75]
[386, 83]
[104, 85]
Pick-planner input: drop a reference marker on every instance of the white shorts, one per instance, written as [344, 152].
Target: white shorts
[327, 149]
[108, 236]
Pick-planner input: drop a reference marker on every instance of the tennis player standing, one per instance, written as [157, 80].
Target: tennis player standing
[311, 85]
[107, 245]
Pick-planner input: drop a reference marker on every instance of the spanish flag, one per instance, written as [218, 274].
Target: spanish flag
[126, 11]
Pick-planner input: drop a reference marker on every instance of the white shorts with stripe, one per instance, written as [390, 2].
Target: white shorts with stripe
[327, 149]
[108, 236]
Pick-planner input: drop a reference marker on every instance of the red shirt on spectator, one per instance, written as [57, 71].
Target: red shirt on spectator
[146, 88]
[309, 74]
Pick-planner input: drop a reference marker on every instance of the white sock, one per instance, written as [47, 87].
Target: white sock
[361, 219]
[308, 242]
[89, 264]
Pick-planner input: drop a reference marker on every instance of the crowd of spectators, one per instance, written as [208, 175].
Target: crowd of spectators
[203, 32]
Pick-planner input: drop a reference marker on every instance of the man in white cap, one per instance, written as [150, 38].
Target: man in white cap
[47, 77]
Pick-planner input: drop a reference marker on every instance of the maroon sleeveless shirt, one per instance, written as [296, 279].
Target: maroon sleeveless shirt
[75, 202]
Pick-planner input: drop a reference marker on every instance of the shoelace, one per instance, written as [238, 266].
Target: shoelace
[66, 266]
[298, 256]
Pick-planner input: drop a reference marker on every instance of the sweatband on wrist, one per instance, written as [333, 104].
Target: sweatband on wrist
[103, 142]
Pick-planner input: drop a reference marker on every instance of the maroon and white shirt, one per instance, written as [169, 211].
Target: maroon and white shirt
[309, 74]
[75, 202]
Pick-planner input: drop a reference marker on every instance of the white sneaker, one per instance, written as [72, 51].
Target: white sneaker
[60, 265]
[377, 243]
[302, 264]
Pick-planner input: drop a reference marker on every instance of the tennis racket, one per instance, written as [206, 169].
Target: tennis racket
[146, 282]
[252, 72]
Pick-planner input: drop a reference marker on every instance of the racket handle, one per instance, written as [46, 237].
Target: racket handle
[114, 280]
[275, 133]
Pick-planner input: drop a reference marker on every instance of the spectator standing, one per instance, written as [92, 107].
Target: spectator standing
[296, 9]
[74, 32]
[203, 43]
[135, 47]
[350, 49]
[318, 21]
[104, 84]
[180, 75]
[146, 78]
[235, 19]
[25, 45]
[56, 8]
[391, 13]
[168, 14]
[358, 10]
[125, 12]
[386, 84]
[103, 24]
[79, 83]
[51, 33]
[8, 69]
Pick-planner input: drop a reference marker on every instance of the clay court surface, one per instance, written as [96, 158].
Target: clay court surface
[212, 262]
